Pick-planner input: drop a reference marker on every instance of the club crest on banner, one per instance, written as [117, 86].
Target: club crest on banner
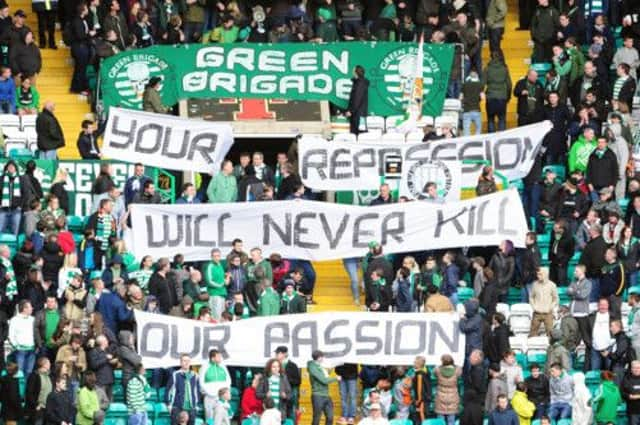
[132, 73]
[425, 171]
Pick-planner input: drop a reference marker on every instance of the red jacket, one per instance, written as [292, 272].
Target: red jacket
[250, 403]
[66, 242]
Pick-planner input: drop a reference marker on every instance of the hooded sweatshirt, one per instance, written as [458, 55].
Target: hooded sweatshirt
[580, 407]
[579, 154]
[606, 402]
[561, 389]
[523, 407]
[213, 378]
[471, 326]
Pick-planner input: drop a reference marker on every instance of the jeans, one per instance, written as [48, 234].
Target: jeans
[209, 407]
[26, 360]
[634, 419]
[322, 404]
[6, 107]
[526, 292]
[496, 109]
[351, 266]
[559, 410]
[471, 117]
[454, 299]
[448, 419]
[51, 154]
[138, 418]
[10, 218]
[531, 203]
[595, 290]
[453, 89]
[598, 362]
[541, 410]
[348, 389]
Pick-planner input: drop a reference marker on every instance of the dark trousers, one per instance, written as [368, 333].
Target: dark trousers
[47, 23]
[585, 335]
[496, 109]
[495, 37]
[634, 419]
[558, 274]
[354, 123]
[322, 405]
[531, 203]
[526, 8]
[472, 414]
[542, 51]
[80, 53]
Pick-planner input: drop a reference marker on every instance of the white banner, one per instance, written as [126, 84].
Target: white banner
[446, 175]
[324, 231]
[344, 337]
[166, 141]
[360, 166]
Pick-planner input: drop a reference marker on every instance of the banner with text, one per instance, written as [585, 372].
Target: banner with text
[344, 337]
[360, 166]
[323, 231]
[165, 141]
[290, 71]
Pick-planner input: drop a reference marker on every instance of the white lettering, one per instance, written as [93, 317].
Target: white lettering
[194, 81]
[304, 61]
[263, 84]
[320, 83]
[341, 64]
[241, 56]
[222, 81]
[271, 60]
[210, 57]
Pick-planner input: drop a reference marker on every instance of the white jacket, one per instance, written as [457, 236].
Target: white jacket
[21, 332]
[581, 413]
[271, 417]
[210, 389]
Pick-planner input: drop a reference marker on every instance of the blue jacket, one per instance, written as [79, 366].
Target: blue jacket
[113, 310]
[183, 200]
[176, 390]
[471, 326]
[107, 276]
[451, 277]
[86, 260]
[8, 93]
[129, 192]
[503, 417]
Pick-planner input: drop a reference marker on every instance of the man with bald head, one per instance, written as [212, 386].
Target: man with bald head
[589, 81]
[50, 135]
[530, 94]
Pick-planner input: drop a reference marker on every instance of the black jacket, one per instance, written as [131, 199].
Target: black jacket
[631, 386]
[598, 85]
[53, 261]
[31, 395]
[489, 298]
[25, 59]
[612, 281]
[498, 343]
[475, 385]
[80, 33]
[86, 143]
[62, 195]
[103, 184]
[549, 197]
[347, 371]
[293, 374]
[602, 172]
[59, 408]
[359, 97]
[50, 135]
[529, 264]
[538, 389]
[11, 400]
[629, 257]
[101, 365]
[288, 186]
[387, 268]
[531, 116]
[623, 352]
[561, 251]
[503, 268]
[568, 203]
[160, 288]
[556, 139]
[627, 92]
[593, 256]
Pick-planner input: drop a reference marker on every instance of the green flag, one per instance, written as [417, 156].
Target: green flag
[292, 71]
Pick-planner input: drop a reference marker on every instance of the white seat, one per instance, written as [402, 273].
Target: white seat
[10, 144]
[538, 343]
[446, 120]
[345, 137]
[375, 123]
[370, 136]
[312, 136]
[518, 343]
[504, 309]
[521, 309]
[32, 144]
[452, 105]
[460, 308]
[392, 121]
[415, 137]
[425, 121]
[9, 120]
[520, 325]
[11, 132]
[28, 120]
[395, 138]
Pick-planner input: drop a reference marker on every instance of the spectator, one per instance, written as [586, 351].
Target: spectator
[560, 252]
[497, 385]
[503, 413]
[447, 401]
[544, 25]
[13, 190]
[503, 266]
[10, 396]
[223, 186]
[214, 378]
[472, 94]
[621, 352]
[557, 351]
[600, 340]
[21, 337]
[320, 401]
[102, 362]
[135, 183]
[561, 393]
[581, 403]
[612, 283]
[88, 407]
[437, 302]
[27, 97]
[624, 87]
[581, 150]
[530, 94]
[497, 88]
[25, 59]
[511, 371]
[471, 325]
[579, 292]
[524, 408]
[136, 390]
[115, 21]
[451, 277]
[38, 388]
[148, 194]
[292, 302]
[275, 385]
[182, 391]
[612, 229]
[217, 282]
[631, 391]
[602, 169]
[629, 55]
[475, 385]
[7, 91]
[74, 357]
[50, 135]
[59, 408]
[495, 22]
[537, 386]
[87, 144]
[606, 400]
[81, 45]
[357, 108]
[160, 287]
[593, 258]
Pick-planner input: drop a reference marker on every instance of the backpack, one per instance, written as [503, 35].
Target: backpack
[67, 34]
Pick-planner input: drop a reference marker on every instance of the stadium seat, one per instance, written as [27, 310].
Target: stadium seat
[392, 122]
[518, 343]
[504, 309]
[435, 421]
[162, 414]
[21, 153]
[425, 121]
[375, 123]
[564, 422]
[116, 414]
[393, 138]
[415, 137]
[28, 121]
[345, 137]
[9, 120]
[14, 144]
[538, 343]
[521, 309]
[452, 105]
[400, 422]
[464, 294]
[251, 421]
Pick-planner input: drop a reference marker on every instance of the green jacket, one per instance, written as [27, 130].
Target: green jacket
[496, 13]
[214, 276]
[87, 405]
[222, 189]
[497, 81]
[222, 35]
[35, 99]
[577, 64]
[269, 303]
[293, 305]
[579, 154]
[544, 23]
[320, 380]
[606, 402]
[265, 264]
[195, 12]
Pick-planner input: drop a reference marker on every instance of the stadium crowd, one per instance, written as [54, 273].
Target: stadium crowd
[67, 305]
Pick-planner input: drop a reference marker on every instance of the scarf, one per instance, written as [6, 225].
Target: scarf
[12, 286]
[600, 153]
[103, 230]
[10, 189]
[618, 86]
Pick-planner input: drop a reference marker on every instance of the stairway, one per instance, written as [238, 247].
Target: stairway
[54, 82]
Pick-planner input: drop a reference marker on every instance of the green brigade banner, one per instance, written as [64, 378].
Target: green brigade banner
[292, 71]
[81, 175]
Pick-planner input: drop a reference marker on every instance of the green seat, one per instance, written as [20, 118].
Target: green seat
[464, 294]
[75, 223]
[162, 414]
[117, 414]
[251, 421]
[19, 153]
[435, 421]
